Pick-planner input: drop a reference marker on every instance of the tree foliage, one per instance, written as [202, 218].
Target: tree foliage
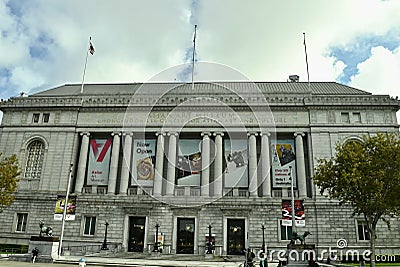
[365, 174]
[9, 172]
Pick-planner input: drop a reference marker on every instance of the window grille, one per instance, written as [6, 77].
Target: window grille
[21, 222]
[34, 162]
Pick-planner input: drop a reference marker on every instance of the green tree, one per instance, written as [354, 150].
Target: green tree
[9, 172]
[365, 175]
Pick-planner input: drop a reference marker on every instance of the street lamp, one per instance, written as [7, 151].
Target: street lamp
[263, 239]
[104, 246]
[293, 206]
[209, 249]
[156, 243]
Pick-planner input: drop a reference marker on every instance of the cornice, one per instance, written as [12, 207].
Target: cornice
[167, 101]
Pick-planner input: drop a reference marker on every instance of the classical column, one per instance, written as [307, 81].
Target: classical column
[126, 164]
[157, 187]
[205, 165]
[171, 164]
[265, 165]
[112, 178]
[218, 165]
[253, 185]
[300, 166]
[83, 155]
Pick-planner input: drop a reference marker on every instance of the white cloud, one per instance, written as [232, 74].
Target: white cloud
[380, 72]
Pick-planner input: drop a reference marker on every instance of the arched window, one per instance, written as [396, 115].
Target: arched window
[34, 161]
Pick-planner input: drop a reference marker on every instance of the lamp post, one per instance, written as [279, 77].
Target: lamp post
[156, 242]
[293, 207]
[209, 249]
[263, 239]
[104, 246]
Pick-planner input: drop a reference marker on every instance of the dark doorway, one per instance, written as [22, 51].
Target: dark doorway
[185, 238]
[137, 227]
[236, 237]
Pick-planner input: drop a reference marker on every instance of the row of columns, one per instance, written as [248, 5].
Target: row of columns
[254, 182]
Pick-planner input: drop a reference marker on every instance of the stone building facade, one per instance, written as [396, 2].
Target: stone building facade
[185, 157]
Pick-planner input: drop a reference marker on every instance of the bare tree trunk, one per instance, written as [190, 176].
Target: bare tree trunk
[372, 244]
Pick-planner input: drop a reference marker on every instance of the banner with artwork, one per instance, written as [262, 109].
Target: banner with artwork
[283, 164]
[99, 161]
[299, 215]
[236, 159]
[144, 158]
[188, 162]
[60, 205]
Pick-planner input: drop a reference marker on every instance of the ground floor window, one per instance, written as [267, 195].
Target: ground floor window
[236, 236]
[90, 225]
[137, 227]
[185, 238]
[21, 222]
[286, 232]
[362, 230]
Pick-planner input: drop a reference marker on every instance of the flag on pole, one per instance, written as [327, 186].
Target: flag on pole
[194, 36]
[91, 48]
[194, 51]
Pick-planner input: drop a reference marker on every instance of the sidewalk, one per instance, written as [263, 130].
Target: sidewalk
[102, 261]
[125, 262]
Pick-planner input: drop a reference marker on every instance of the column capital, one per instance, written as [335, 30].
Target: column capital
[218, 133]
[206, 134]
[172, 133]
[252, 133]
[116, 134]
[299, 134]
[161, 133]
[127, 133]
[85, 133]
[265, 134]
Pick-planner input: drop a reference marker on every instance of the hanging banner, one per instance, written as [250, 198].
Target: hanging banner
[236, 159]
[99, 161]
[144, 158]
[299, 215]
[283, 164]
[60, 205]
[188, 162]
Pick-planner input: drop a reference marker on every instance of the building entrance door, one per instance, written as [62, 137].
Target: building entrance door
[185, 236]
[137, 227]
[236, 236]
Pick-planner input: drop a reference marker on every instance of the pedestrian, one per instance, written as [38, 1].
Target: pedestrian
[250, 257]
[35, 253]
[263, 260]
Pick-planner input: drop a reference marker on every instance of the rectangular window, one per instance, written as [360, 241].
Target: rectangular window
[21, 222]
[357, 117]
[90, 225]
[286, 232]
[345, 118]
[46, 117]
[362, 230]
[35, 117]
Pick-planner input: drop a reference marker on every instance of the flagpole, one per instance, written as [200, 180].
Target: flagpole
[89, 50]
[65, 211]
[305, 51]
[194, 49]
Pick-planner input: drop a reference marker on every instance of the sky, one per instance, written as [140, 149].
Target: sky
[44, 43]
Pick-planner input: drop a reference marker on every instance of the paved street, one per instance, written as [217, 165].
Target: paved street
[7, 263]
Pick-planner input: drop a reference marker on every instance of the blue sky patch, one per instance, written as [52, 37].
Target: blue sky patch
[41, 46]
[360, 50]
